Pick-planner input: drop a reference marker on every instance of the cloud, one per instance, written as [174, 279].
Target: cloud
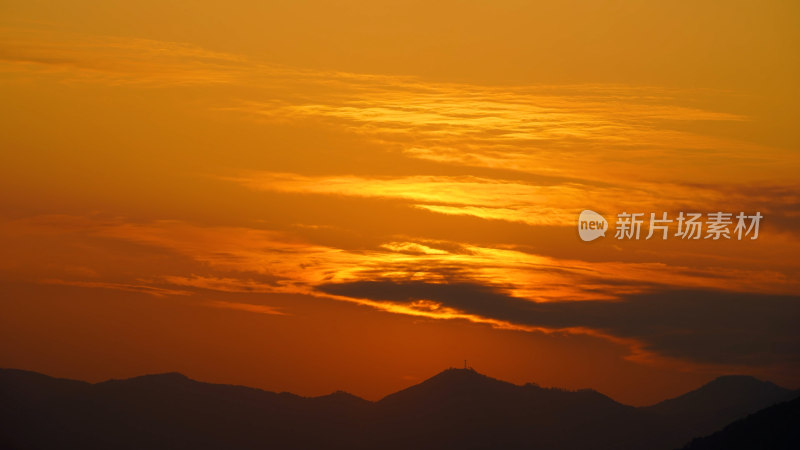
[286, 264]
[566, 131]
[115, 60]
[704, 326]
[140, 286]
[553, 203]
[241, 259]
[644, 139]
[248, 307]
[692, 313]
[222, 284]
[481, 197]
[635, 133]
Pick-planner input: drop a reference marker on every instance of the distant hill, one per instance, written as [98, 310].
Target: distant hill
[774, 428]
[458, 408]
[719, 402]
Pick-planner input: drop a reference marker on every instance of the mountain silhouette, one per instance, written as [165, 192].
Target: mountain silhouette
[464, 407]
[719, 402]
[776, 427]
[458, 408]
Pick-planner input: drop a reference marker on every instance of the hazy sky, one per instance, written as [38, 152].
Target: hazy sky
[310, 196]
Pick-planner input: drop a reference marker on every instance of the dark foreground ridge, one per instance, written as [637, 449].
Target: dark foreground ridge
[776, 427]
[458, 408]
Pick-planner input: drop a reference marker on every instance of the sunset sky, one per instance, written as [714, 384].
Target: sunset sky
[308, 196]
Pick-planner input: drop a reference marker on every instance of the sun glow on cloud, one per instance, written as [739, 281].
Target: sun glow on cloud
[297, 267]
[495, 198]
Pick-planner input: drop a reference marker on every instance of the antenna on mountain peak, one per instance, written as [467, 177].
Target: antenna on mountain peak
[465, 363]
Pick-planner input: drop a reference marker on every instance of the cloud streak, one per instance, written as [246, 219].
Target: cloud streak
[529, 202]
[247, 307]
[699, 325]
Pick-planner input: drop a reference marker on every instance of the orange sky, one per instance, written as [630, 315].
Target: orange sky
[310, 196]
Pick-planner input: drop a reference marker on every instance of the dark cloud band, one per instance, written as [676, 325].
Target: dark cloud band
[699, 325]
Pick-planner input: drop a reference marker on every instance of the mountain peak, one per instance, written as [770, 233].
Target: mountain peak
[462, 377]
[173, 376]
[341, 398]
[343, 395]
[726, 391]
[742, 384]
[459, 372]
[449, 383]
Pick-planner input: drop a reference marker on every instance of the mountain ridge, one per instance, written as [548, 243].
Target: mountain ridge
[174, 376]
[456, 407]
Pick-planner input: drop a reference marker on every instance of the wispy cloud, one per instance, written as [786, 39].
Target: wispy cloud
[529, 202]
[220, 284]
[268, 261]
[140, 286]
[563, 131]
[114, 60]
[247, 307]
[634, 133]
